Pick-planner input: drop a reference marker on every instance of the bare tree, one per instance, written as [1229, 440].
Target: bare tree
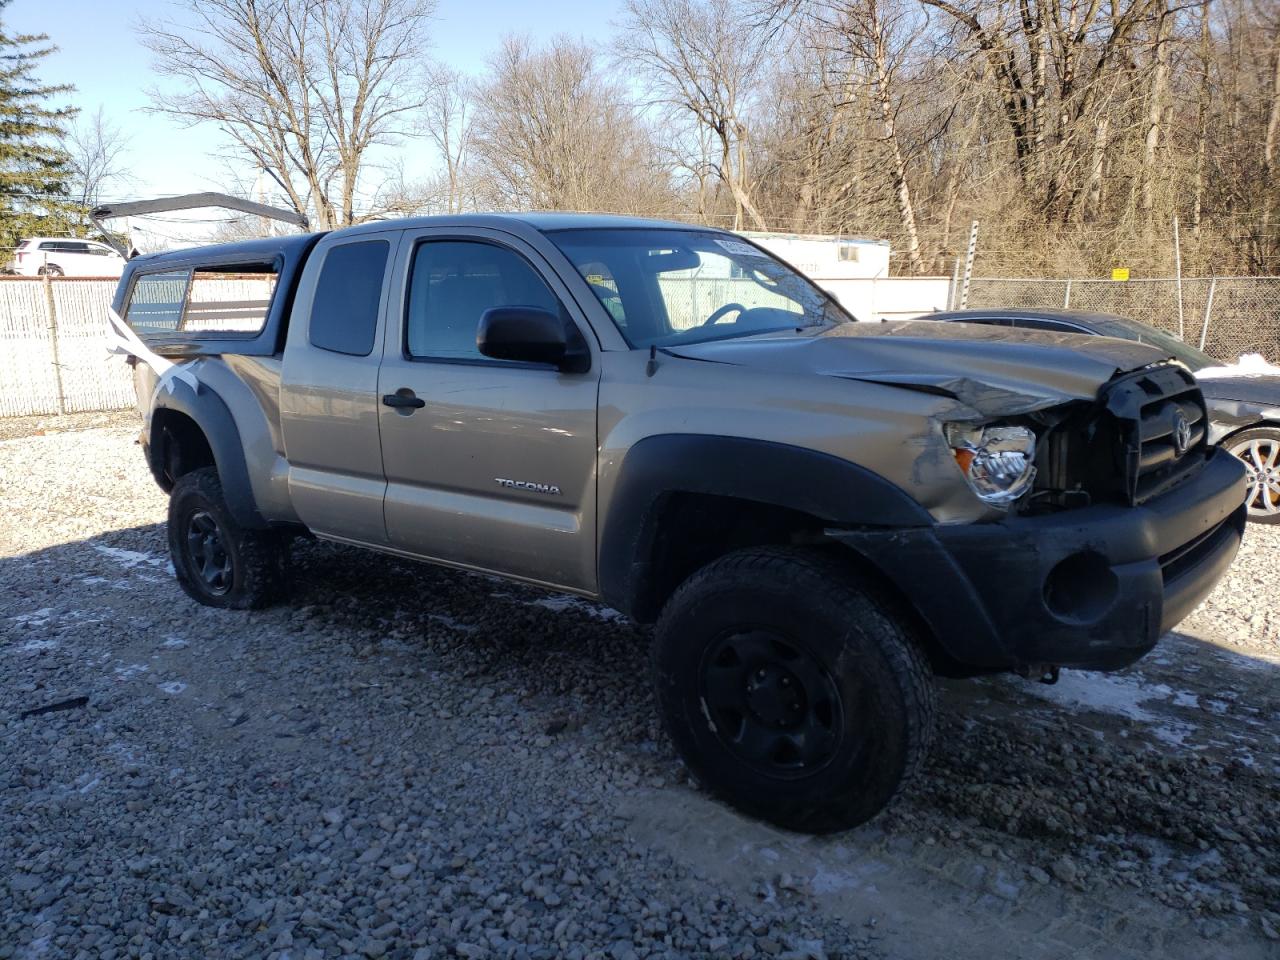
[448, 118]
[554, 131]
[869, 43]
[705, 59]
[304, 88]
[97, 149]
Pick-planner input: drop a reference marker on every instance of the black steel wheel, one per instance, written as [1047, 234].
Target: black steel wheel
[215, 560]
[206, 552]
[774, 704]
[792, 688]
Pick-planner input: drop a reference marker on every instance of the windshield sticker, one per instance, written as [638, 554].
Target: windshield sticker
[741, 249]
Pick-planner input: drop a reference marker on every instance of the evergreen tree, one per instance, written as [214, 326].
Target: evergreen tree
[34, 169]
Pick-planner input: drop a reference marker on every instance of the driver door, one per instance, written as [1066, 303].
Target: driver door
[490, 464]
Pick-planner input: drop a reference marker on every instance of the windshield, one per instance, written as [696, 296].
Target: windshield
[1144, 333]
[667, 287]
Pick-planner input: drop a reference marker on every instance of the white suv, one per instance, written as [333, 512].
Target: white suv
[66, 257]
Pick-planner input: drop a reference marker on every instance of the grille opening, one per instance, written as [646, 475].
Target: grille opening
[1126, 446]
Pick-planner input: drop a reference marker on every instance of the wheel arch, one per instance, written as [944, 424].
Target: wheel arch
[192, 428]
[681, 500]
[1235, 431]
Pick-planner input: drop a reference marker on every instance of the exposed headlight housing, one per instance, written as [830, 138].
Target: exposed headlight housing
[998, 461]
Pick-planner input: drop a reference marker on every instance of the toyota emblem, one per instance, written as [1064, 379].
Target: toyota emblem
[1181, 433]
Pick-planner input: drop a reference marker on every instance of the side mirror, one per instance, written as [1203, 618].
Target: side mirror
[531, 335]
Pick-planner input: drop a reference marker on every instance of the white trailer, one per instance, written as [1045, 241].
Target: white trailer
[828, 257]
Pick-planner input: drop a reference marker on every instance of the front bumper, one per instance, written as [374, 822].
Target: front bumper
[1092, 588]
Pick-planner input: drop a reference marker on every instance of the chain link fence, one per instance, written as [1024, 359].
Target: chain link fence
[1225, 316]
[53, 350]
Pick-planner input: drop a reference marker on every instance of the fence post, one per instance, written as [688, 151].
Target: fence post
[1177, 260]
[953, 291]
[968, 265]
[52, 313]
[1208, 308]
[1066, 299]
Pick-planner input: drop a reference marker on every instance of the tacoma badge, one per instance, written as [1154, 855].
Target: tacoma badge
[527, 485]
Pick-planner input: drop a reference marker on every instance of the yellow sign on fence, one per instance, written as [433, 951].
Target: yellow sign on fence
[1119, 273]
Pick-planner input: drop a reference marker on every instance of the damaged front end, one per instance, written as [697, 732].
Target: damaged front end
[1144, 432]
[1118, 519]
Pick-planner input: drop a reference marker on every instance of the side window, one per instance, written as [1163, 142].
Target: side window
[231, 300]
[452, 284]
[344, 314]
[156, 302]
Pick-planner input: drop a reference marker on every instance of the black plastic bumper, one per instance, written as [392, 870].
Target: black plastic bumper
[1092, 588]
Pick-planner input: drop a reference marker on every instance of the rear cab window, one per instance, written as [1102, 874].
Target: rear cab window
[344, 314]
[211, 301]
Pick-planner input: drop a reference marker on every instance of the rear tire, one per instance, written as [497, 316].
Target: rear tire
[1259, 449]
[215, 560]
[51, 270]
[791, 689]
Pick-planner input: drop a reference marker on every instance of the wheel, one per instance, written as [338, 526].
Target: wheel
[790, 688]
[50, 270]
[216, 561]
[1259, 448]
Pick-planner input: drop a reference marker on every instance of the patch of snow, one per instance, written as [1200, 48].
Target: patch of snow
[563, 602]
[1249, 365]
[33, 645]
[1125, 695]
[174, 643]
[37, 618]
[129, 671]
[1102, 692]
[129, 558]
[172, 687]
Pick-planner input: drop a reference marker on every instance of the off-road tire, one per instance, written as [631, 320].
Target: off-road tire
[823, 612]
[1266, 440]
[256, 561]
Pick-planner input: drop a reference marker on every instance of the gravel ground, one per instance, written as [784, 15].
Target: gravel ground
[409, 762]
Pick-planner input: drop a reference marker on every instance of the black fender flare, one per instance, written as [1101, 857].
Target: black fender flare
[210, 413]
[836, 491]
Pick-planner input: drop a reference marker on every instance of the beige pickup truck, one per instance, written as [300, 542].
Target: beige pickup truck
[818, 515]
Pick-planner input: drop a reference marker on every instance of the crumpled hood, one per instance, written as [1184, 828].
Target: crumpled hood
[996, 370]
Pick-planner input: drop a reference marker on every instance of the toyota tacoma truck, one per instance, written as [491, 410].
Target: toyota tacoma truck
[817, 515]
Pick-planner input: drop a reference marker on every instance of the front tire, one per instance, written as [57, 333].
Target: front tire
[1259, 449]
[215, 560]
[791, 689]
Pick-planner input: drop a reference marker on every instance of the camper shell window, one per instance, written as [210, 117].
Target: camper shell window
[208, 301]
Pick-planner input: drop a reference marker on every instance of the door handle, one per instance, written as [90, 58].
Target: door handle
[403, 399]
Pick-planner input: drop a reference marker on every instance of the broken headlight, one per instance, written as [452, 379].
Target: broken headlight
[998, 461]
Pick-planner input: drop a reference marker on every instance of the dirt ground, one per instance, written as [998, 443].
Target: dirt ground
[410, 762]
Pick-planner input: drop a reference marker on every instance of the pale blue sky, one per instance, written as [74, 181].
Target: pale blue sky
[99, 53]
